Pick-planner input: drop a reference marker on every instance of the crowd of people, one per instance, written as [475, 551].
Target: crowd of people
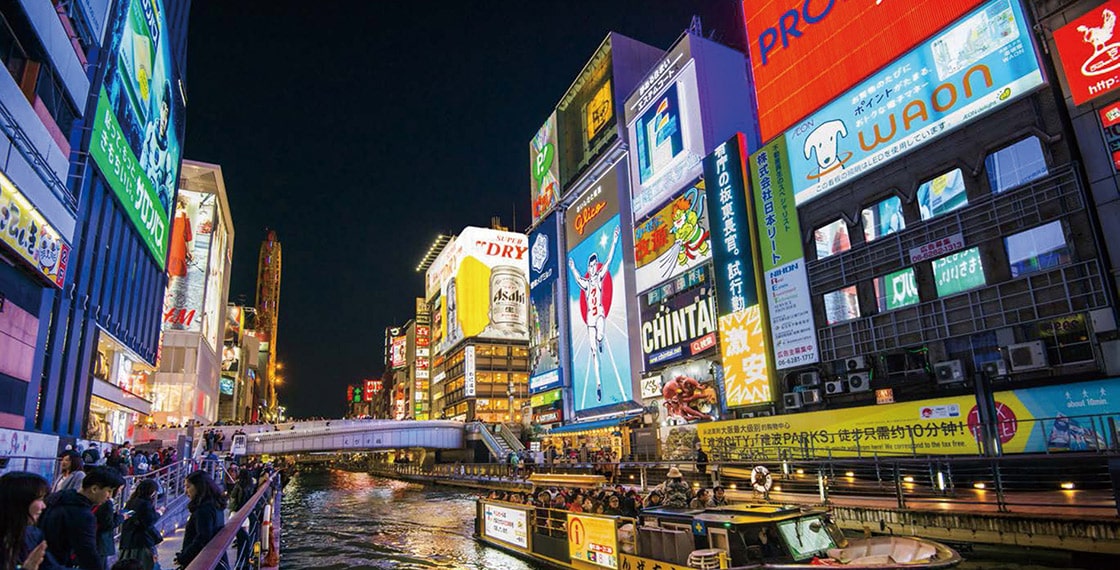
[618, 500]
[73, 522]
[604, 460]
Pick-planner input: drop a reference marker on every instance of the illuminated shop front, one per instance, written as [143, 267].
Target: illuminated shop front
[487, 382]
[121, 392]
[610, 435]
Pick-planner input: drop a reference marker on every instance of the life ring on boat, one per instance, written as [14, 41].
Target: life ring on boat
[761, 480]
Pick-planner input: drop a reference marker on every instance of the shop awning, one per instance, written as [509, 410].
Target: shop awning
[586, 426]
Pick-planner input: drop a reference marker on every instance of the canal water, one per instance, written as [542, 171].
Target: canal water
[341, 520]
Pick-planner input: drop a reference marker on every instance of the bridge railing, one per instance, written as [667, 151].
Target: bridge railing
[244, 530]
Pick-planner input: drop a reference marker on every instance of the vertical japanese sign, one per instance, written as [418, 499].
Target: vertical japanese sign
[469, 387]
[792, 328]
[742, 338]
[544, 302]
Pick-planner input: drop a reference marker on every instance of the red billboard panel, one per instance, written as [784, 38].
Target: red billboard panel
[1090, 55]
[805, 53]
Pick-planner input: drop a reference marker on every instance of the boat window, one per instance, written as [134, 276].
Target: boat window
[805, 537]
[676, 526]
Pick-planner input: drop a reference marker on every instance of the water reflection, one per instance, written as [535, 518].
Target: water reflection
[337, 520]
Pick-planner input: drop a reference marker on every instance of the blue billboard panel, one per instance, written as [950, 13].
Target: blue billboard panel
[544, 302]
[978, 64]
[600, 353]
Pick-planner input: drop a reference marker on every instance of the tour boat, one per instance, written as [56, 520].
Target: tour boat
[734, 536]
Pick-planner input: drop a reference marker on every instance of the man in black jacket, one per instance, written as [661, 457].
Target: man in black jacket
[69, 525]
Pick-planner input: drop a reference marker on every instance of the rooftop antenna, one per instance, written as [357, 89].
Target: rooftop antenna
[694, 27]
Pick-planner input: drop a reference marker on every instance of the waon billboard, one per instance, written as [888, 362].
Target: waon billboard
[806, 52]
[1089, 53]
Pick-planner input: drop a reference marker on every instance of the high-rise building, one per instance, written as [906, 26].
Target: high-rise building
[186, 386]
[268, 313]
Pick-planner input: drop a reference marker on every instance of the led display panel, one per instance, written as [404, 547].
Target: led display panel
[942, 194]
[673, 240]
[544, 302]
[980, 63]
[192, 238]
[958, 272]
[883, 219]
[896, 290]
[841, 305]
[544, 169]
[138, 122]
[1037, 249]
[831, 239]
[1089, 52]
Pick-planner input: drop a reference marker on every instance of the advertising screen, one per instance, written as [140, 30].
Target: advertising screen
[896, 290]
[397, 347]
[28, 234]
[883, 219]
[841, 305]
[598, 323]
[544, 302]
[1037, 249]
[235, 316]
[221, 255]
[832, 239]
[139, 120]
[803, 54]
[688, 392]
[544, 169]
[191, 242]
[483, 281]
[790, 308]
[665, 134]
[674, 240]
[593, 540]
[225, 385]
[231, 358]
[679, 327]
[585, 116]
[958, 272]
[506, 524]
[981, 62]
[942, 194]
[1089, 53]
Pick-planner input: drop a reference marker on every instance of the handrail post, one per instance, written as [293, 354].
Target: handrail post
[898, 486]
[1001, 500]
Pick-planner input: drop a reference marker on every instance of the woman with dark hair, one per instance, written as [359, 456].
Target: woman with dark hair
[71, 472]
[207, 507]
[21, 543]
[139, 536]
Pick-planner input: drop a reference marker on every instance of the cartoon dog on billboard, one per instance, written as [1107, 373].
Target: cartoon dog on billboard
[824, 142]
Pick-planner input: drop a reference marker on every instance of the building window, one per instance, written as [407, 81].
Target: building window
[896, 290]
[53, 95]
[1037, 249]
[1015, 165]
[942, 194]
[958, 272]
[832, 239]
[11, 51]
[883, 219]
[841, 305]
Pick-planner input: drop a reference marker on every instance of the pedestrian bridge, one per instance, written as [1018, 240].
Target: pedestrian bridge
[358, 435]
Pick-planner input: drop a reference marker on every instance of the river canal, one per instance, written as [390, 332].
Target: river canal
[335, 520]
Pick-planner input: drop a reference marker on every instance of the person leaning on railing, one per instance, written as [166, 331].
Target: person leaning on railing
[207, 507]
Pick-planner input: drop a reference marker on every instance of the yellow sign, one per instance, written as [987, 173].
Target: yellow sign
[743, 348]
[592, 539]
[936, 426]
[29, 235]
[600, 110]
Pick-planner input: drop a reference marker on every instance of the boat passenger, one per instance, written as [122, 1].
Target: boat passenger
[613, 507]
[719, 496]
[702, 501]
[677, 492]
[654, 500]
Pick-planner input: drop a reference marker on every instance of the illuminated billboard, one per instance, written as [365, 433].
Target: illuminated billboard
[686, 392]
[805, 53]
[681, 326]
[544, 169]
[28, 234]
[397, 348]
[482, 279]
[673, 240]
[980, 63]
[1090, 55]
[138, 123]
[790, 308]
[192, 236]
[597, 318]
[666, 138]
[544, 302]
[586, 115]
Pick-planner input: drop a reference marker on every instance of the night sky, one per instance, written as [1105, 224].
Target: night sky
[359, 130]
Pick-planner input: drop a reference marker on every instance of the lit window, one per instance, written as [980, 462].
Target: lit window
[1014, 165]
[896, 290]
[883, 219]
[1037, 249]
[958, 272]
[841, 305]
[942, 194]
[832, 239]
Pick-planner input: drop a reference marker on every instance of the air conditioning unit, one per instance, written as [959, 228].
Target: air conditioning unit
[810, 378]
[856, 363]
[995, 368]
[791, 400]
[949, 372]
[859, 382]
[810, 397]
[1027, 356]
[834, 387]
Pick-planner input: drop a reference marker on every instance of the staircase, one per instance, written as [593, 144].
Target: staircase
[498, 438]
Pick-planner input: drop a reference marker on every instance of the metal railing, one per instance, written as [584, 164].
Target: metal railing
[243, 530]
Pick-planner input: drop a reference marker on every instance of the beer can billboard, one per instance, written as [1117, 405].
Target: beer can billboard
[544, 304]
[806, 52]
[597, 316]
[483, 282]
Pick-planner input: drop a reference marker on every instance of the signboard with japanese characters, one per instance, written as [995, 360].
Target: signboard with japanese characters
[937, 248]
[1089, 53]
